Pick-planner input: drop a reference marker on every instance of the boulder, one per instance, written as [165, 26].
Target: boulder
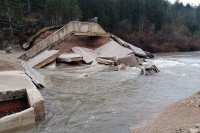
[129, 60]
[121, 67]
[194, 130]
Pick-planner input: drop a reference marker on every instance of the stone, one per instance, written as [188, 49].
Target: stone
[121, 67]
[88, 55]
[35, 76]
[197, 125]
[104, 61]
[69, 57]
[194, 130]
[129, 60]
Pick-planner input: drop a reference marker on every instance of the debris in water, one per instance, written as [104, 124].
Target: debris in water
[85, 43]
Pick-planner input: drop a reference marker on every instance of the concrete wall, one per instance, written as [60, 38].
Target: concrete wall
[66, 30]
[14, 81]
[17, 120]
[36, 101]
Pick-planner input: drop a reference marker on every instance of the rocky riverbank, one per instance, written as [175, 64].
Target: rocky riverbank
[181, 117]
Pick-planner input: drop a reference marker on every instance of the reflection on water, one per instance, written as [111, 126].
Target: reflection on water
[112, 102]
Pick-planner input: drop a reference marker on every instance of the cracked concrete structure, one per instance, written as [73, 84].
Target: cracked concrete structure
[14, 85]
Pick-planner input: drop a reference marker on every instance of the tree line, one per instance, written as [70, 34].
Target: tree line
[150, 24]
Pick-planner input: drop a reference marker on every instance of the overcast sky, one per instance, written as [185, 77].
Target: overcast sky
[194, 2]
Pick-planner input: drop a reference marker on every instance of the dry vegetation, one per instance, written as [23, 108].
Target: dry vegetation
[168, 39]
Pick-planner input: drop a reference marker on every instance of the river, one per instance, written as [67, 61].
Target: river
[113, 102]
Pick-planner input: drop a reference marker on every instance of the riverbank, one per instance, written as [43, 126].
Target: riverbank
[180, 117]
[9, 62]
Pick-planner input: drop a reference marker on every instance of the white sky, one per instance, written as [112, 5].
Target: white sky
[194, 2]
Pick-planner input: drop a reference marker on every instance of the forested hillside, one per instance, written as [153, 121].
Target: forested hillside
[154, 25]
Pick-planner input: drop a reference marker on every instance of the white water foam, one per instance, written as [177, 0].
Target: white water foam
[165, 63]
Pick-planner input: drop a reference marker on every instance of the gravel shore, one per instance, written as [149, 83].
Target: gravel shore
[181, 117]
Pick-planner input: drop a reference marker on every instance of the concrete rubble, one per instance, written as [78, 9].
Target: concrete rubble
[41, 57]
[59, 47]
[69, 57]
[88, 55]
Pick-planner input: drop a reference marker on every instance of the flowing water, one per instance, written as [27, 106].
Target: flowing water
[113, 102]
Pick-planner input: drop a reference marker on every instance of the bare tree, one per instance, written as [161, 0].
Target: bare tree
[29, 6]
[9, 14]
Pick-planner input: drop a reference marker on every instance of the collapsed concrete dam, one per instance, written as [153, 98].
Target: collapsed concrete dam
[84, 43]
[82, 46]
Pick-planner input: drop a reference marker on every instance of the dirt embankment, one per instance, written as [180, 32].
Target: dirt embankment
[180, 117]
[9, 62]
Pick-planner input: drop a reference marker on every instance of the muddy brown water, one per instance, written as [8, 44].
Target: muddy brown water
[13, 106]
[113, 102]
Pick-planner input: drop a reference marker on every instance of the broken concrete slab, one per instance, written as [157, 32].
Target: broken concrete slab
[69, 57]
[110, 47]
[18, 80]
[113, 49]
[109, 58]
[17, 120]
[105, 61]
[62, 49]
[41, 57]
[35, 76]
[137, 51]
[48, 61]
[65, 32]
[129, 60]
[117, 39]
[88, 55]
[50, 66]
